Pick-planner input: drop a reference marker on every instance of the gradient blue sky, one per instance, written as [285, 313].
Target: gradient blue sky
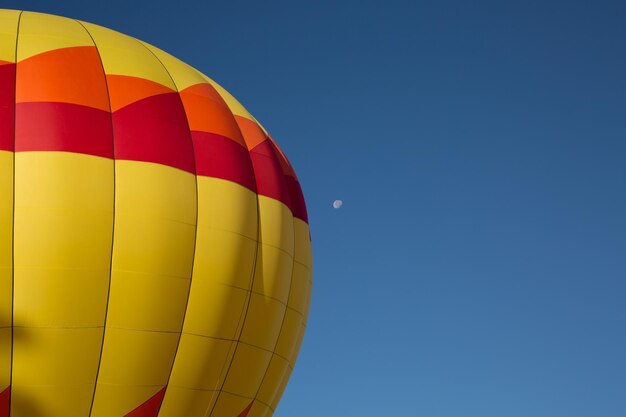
[478, 265]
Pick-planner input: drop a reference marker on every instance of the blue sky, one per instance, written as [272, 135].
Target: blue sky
[478, 264]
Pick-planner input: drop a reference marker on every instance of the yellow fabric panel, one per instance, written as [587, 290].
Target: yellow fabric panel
[183, 75]
[153, 246]
[259, 410]
[5, 357]
[224, 259]
[303, 253]
[43, 32]
[272, 278]
[133, 357]
[199, 372]
[214, 309]
[119, 400]
[147, 301]
[55, 401]
[8, 34]
[186, 402]
[300, 284]
[62, 297]
[302, 280]
[225, 254]
[155, 190]
[266, 310]
[263, 322]
[65, 359]
[276, 224]
[307, 306]
[59, 238]
[296, 349]
[150, 275]
[228, 206]
[273, 272]
[63, 231]
[149, 243]
[49, 178]
[246, 372]
[281, 388]
[6, 240]
[289, 334]
[293, 327]
[229, 405]
[135, 365]
[271, 382]
[123, 55]
[201, 362]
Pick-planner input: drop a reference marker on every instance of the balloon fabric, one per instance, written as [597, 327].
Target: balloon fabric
[155, 256]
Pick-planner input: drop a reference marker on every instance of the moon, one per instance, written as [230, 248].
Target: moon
[337, 204]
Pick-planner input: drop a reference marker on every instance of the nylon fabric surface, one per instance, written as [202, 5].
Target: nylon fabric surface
[155, 255]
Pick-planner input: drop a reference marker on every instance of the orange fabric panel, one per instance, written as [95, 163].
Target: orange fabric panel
[282, 158]
[68, 75]
[125, 90]
[207, 112]
[251, 131]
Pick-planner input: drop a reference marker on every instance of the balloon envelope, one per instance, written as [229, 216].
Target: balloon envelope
[154, 248]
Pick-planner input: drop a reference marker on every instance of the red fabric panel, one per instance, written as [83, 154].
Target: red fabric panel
[154, 130]
[284, 162]
[7, 106]
[220, 157]
[296, 198]
[150, 408]
[62, 127]
[270, 180]
[245, 412]
[5, 400]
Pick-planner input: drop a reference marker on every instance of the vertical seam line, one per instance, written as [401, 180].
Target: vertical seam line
[17, 36]
[106, 310]
[195, 236]
[293, 261]
[244, 313]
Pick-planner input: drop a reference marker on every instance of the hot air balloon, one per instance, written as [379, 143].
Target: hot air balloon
[155, 256]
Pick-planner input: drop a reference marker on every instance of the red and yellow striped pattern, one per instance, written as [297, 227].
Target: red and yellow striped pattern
[155, 257]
